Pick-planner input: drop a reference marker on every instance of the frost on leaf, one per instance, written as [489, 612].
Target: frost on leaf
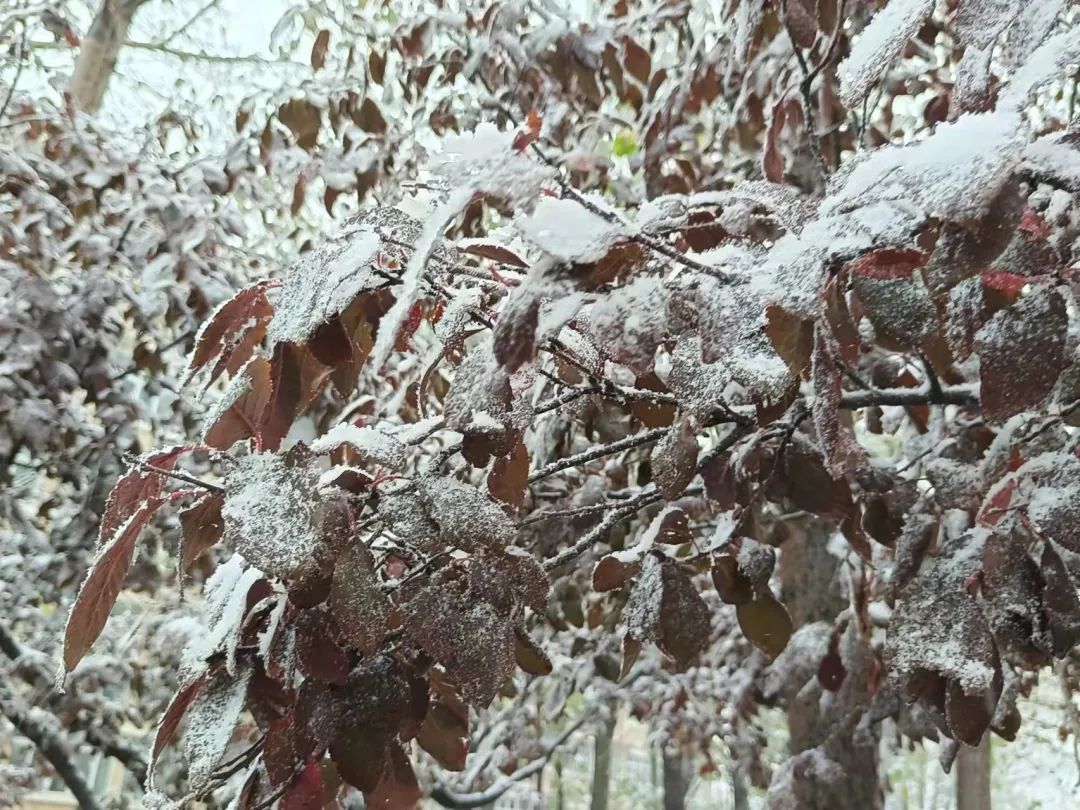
[629, 323]
[372, 445]
[357, 603]
[674, 458]
[1021, 353]
[211, 720]
[939, 647]
[664, 607]
[275, 515]
[325, 281]
[230, 335]
[463, 632]
[894, 295]
[466, 517]
[878, 46]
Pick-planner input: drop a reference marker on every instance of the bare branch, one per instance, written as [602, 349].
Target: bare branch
[460, 801]
[50, 743]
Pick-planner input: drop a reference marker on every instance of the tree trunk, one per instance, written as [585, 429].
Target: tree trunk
[676, 779]
[601, 779]
[97, 55]
[973, 776]
[812, 591]
[740, 796]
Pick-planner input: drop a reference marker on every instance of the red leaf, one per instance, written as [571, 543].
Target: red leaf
[233, 331]
[284, 402]
[241, 419]
[510, 475]
[398, 789]
[102, 585]
[888, 264]
[529, 133]
[135, 488]
[493, 251]
[306, 793]
[170, 720]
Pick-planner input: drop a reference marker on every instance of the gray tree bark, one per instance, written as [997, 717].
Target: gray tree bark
[812, 592]
[601, 779]
[97, 55]
[973, 776]
[677, 775]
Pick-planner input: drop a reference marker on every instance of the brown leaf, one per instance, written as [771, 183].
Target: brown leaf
[201, 526]
[493, 251]
[683, 630]
[376, 66]
[370, 118]
[318, 50]
[304, 119]
[674, 458]
[611, 572]
[637, 61]
[285, 396]
[529, 655]
[1021, 353]
[766, 624]
[791, 337]
[398, 789]
[357, 604]
[509, 476]
[242, 418]
[734, 587]
[445, 734]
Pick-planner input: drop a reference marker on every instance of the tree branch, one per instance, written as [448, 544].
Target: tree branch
[51, 745]
[129, 755]
[952, 395]
[447, 797]
[638, 439]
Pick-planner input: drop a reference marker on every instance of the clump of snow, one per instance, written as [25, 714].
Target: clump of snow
[954, 173]
[879, 45]
[567, 231]
[485, 160]
[374, 445]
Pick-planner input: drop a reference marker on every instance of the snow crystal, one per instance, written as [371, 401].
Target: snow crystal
[374, 445]
[569, 232]
[879, 45]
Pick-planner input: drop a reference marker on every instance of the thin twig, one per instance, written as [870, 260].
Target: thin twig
[134, 460]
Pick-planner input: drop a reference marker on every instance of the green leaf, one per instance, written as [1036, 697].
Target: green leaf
[625, 144]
